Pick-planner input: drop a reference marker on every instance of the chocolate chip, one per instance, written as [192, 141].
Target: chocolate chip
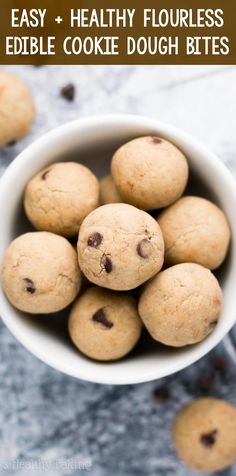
[44, 175]
[161, 393]
[95, 240]
[143, 248]
[11, 143]
[107, 263]
[100, 316]
[205, 383]
[30, 286]
[68, 92]
[209, 439]
[156, 140]
[213, 323]
[221, 364]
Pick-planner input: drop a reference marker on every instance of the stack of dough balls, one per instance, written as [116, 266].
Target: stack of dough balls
[121, 247]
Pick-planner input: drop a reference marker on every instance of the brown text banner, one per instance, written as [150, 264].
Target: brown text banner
[117, 32]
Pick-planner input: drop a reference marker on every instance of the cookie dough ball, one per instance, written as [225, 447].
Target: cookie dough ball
[17, 110]
[59, 197]
[204, 434]
[181, 305]
[149, 172]
[195, 230]
[40, 273]
[104, 325]
[108, 191]
[120, 246]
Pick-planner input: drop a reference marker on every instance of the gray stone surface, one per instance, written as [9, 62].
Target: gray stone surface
[53, 424]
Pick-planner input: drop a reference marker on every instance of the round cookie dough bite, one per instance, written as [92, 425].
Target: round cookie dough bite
[58, 198]
[104, 325]
[108, 191]
[40, 273]
[204, 434]
[17, 110]
[195, 230]
[181, 305]
[120, 247]
[149, 172]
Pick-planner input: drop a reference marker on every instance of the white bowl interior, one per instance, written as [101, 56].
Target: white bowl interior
[92, 142]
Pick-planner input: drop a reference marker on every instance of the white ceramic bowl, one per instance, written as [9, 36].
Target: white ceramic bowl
[92, 141]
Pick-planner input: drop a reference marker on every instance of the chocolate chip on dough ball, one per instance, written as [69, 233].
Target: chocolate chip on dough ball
[17, 110]
[108, 191]
[204, 434]
[120, 247]
[149, 172]
[59, 197]
[181, 305]
[195, 230]
[40, 273]
[104, 325]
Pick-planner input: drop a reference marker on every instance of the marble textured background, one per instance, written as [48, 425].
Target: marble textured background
[58, 424]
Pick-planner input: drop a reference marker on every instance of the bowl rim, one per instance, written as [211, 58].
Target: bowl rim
[91, 121]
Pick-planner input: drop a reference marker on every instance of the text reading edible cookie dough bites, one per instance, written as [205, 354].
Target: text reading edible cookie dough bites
[118, 31]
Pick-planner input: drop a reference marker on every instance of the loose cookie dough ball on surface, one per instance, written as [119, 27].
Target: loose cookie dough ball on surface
[59, 197]
[149, 172]
[120, 247]
[108, 192]
[104, 325]
[204, 434]
[181, 305]
[195, 230]
[40, 273]
[17, 110]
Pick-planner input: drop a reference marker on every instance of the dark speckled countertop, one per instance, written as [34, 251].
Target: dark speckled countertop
[55, 425]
